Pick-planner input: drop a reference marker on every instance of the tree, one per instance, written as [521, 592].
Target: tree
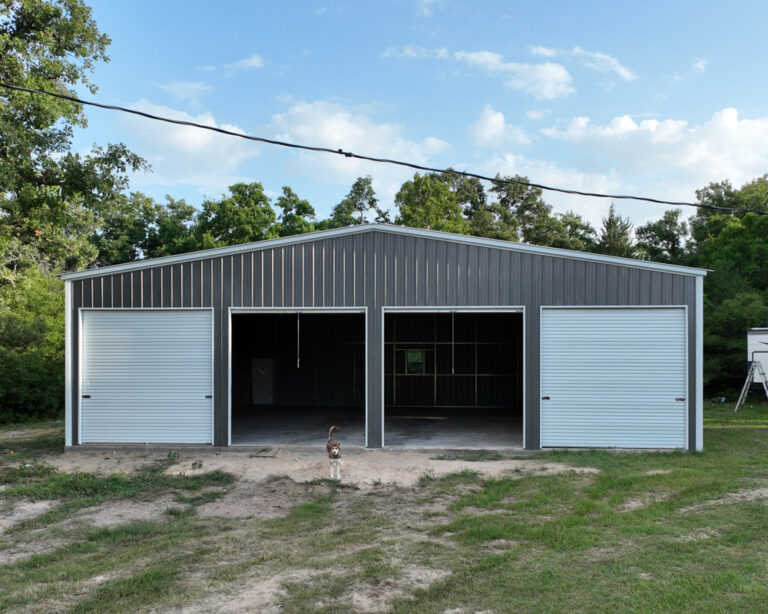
[735, 247]
[426, 202]
[707, 223]
[296, 215]
[49, 196]
[246, 215]
[571, 231]
[358, 206]
[469, 191]
[615, 235]
[523, 207]
[123, 233]
[31, 347]
[663, 240]
[173, 231]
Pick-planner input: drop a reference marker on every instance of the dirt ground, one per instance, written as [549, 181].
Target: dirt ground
[362, 468]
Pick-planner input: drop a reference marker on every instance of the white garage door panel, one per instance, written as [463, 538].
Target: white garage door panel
[613, 377]
[147, 374]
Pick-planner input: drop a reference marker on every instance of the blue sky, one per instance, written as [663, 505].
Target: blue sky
[652, 98]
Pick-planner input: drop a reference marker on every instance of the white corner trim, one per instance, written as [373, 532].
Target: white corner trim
[699, 407]
[67, 363]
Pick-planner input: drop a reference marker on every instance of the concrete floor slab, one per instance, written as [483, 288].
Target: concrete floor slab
[469, 428]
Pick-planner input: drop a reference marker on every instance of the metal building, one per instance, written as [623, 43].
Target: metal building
[401, 336]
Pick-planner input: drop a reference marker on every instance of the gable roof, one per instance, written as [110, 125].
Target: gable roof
[388, 228]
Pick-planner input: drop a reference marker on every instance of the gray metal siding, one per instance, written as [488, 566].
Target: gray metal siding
[375, 269]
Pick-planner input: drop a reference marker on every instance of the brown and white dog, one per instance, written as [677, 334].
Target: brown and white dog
[333, 448]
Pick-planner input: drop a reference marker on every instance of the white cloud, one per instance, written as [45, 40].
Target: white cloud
[332, 125]
[537, 114]
[492, 131]
[182, 155]
[603, 62]
[700, 65]
[425, 7]
[670, 158]
[186, 90]
[545, 51]
[544, 81]
[252, 61]
[416, 52]
[596, 60]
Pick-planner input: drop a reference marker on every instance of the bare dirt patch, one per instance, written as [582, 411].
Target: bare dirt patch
[745, 495]
[114, 513]
[364, 468]
[24, 550]
[119, 461]
[636, 503]
[258, 594]
[272, 499]
[699, 535]
[658, 472]
[19, 511]
[377, 597]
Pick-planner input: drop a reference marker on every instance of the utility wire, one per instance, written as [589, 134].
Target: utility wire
[349, 154]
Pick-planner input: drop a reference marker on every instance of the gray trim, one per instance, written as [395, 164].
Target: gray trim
[388, 228]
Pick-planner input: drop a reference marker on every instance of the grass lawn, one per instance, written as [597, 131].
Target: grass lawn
[653, 532]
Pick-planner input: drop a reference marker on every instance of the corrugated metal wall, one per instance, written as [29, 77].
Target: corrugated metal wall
[374, 269]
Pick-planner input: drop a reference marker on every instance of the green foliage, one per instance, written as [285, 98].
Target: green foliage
[49, 196]
[427, 202]
[31, 347]
[246, 215]
[296, 214]
[726, 323]
[173, 229]
[571, 231]
[664, 239]
[616, 235]
[522, 207]
[358, 206]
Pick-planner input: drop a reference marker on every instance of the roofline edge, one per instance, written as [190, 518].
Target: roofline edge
[403, 230]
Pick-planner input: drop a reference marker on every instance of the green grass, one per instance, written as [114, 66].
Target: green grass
[648, 532]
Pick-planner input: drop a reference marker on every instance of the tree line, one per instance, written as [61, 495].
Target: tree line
[61, 210]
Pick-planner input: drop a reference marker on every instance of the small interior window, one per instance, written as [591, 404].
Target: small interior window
[414, 361]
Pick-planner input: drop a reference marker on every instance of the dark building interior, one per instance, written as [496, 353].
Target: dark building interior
[453, 376]
[450, 379]
[296, 374]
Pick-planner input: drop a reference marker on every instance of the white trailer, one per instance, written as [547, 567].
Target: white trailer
[757, 341]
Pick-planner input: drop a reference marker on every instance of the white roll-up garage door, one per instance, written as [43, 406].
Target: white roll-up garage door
[613, 378]
[146, 377]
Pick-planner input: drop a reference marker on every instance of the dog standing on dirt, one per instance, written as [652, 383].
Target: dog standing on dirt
[334, 453]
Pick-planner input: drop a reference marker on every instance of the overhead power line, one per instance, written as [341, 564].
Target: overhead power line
[349, 154]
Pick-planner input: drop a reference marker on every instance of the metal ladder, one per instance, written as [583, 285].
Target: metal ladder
[755, 368]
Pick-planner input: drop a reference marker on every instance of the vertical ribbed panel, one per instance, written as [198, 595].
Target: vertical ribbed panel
[147, 374]
[614, 378]
[375, 269]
